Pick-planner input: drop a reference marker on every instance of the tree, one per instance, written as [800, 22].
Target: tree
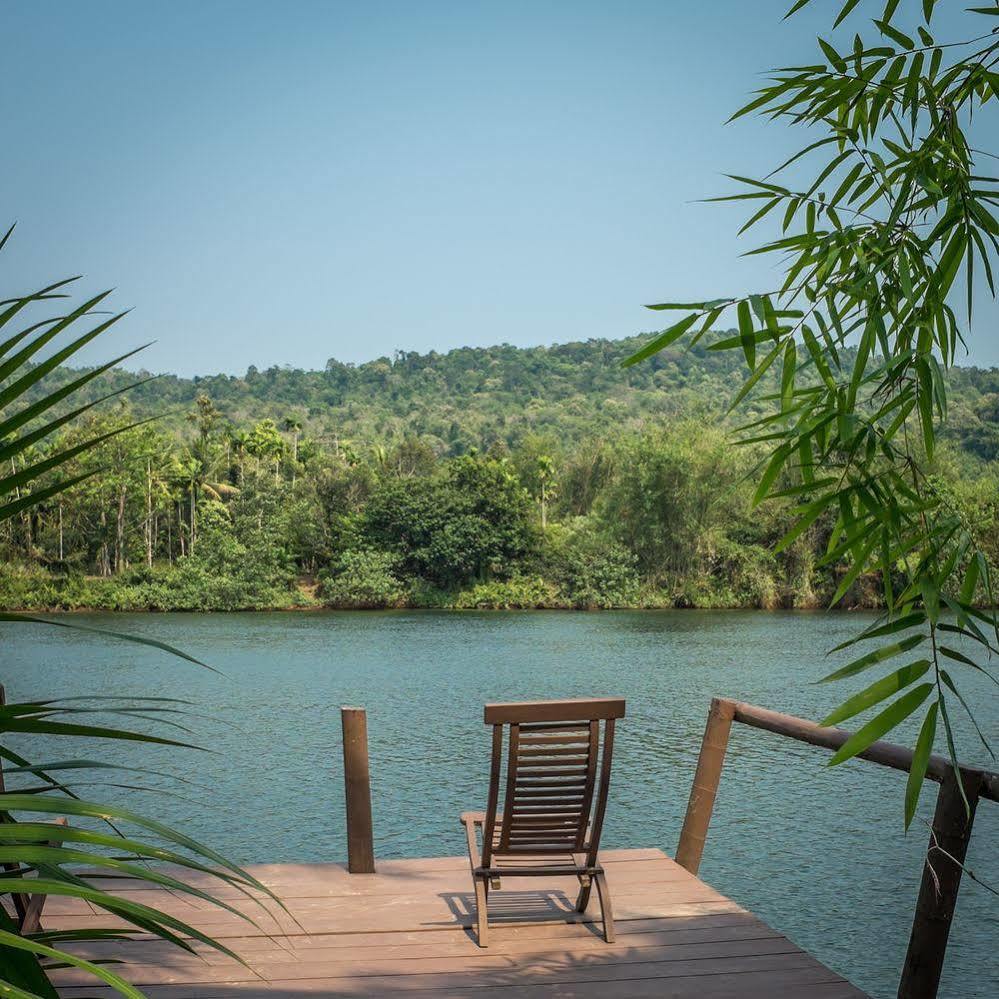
[265, 444]
[586, 473]
[884, 207]
[466, 523]
[292, 425]
[200, 467]
[671, 495]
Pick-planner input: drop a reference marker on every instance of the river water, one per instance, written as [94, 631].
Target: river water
[818, 853]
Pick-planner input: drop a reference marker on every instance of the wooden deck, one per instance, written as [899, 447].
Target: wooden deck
[406, 929]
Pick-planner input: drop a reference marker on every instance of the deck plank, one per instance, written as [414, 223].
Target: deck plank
[407, 929]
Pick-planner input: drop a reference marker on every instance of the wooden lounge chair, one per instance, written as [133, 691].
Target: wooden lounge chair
[553, 803]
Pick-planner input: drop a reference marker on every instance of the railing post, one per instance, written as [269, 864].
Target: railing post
[357, 788]
[705, 786]
[938, 889]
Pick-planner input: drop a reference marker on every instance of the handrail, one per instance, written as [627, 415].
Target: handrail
[888, 754]
[951, 830]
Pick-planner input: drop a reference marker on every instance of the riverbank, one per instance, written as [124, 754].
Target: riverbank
[176, 588]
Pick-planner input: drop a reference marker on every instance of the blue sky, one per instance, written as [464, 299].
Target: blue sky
[280, 183]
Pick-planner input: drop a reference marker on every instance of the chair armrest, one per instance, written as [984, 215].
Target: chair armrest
[470, 820]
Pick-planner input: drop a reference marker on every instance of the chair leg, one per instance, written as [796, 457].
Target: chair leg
[31, 920]
[603, 893]
[481, 913]
[583, 898]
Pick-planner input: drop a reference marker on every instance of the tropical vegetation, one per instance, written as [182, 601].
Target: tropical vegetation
[881, 225]
[492, 477]
[43, 854]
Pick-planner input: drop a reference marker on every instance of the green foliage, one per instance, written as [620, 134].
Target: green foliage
[591, 569]
[43, 467]
[669, 497]
[473, 466]
[363, 579]
[742, 575]
[518, 593]
[639, 518]
[468, 523]
[886, 222]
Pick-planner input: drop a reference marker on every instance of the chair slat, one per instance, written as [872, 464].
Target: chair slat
[522, 819]
[569, 796]
[556, 782]
[554, 728]
[511, 783]
[537, 772]
[545, 752]
[578, 738]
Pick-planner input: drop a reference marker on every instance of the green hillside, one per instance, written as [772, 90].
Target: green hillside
[473, 396]
[499, 476]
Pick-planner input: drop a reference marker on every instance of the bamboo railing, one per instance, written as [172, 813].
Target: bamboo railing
[949, 837]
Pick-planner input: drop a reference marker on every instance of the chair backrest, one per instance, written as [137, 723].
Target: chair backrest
[558, 766]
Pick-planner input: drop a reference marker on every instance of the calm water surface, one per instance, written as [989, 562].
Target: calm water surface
[817, 853]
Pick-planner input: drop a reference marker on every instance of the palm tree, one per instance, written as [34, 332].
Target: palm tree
[239, 440]
[292, 425]
[25, 952]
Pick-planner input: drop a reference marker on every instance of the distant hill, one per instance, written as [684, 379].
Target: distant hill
[473, 396]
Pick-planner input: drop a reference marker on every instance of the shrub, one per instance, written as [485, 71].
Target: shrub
[735, 575]
[27, 587]
[518, 593]
[363, 579]
[590, 569]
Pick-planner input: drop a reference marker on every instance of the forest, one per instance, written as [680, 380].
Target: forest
[495, 477]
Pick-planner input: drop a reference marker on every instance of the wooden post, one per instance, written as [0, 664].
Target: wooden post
[952, 823]
[357, 787]
[705, 786]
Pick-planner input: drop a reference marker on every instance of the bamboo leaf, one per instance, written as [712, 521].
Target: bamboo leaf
[12, 802]
[787, 375]
[773, 469]
[757, 374]
[119, 636]
[881, 724]
[895, 35]
[860, 558]
[878, 691]
[845, 12]
[662, 340]
[746, 336]
[872, 658]
[42, 727]
[684, 306]
[903, 623]
[949, 683]
[920, 761]
[811, 514]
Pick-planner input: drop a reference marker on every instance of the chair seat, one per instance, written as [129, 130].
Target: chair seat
[524, 863]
